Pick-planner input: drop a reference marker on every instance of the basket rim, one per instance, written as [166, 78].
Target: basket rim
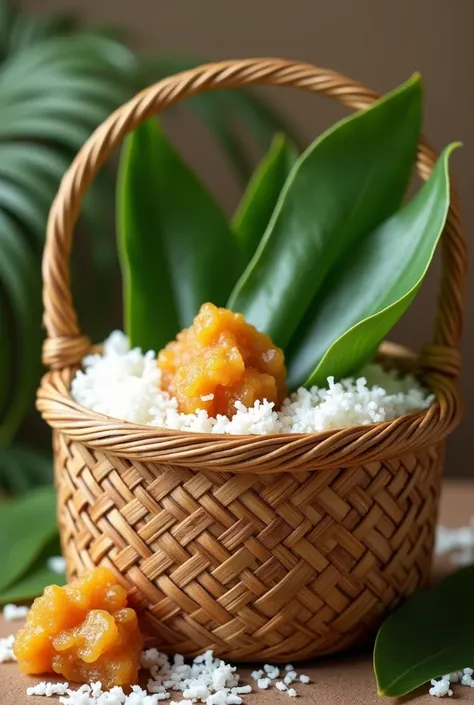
[268, 453]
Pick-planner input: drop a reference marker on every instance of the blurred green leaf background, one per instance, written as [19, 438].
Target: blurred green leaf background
[60, 79]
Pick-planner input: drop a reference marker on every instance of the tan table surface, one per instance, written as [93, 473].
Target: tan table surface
[344, 680]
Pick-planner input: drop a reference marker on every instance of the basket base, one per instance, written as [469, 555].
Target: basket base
[268, 568]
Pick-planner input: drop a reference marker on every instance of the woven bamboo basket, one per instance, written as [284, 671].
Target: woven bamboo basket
[278, 547]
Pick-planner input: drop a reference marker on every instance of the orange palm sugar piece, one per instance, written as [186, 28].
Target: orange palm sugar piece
[252, 386]
[95, 590]
[33, 650]
[222, 357]
[100, 649]
[83, 631]
[48, 615]
[97, 634]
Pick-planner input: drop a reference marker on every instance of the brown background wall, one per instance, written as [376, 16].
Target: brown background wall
[379, 42]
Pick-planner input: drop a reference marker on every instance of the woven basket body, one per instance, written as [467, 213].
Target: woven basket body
[263, 567]
[265, 548]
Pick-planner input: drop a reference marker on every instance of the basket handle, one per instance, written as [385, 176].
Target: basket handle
[66, 345]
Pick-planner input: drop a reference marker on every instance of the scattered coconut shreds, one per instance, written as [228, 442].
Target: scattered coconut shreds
[263, 683]
[13, 612]
[125, 384]
[57, 564]
[207, 397]
[440, 688]
[48, 689]
[6, 649]
[206, 680]
[271, 671]
[458, 543]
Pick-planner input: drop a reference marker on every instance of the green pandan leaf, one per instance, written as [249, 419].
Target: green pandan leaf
[27, 525]
[259, 200]
[361, 301]
[430, 635]
[349, 181]
[31, 585]
[36, 579]
[150, 315]
[23, 467]
[176, 248]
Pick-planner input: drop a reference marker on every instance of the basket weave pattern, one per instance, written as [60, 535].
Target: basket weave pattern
[215, 557]
[275, 547]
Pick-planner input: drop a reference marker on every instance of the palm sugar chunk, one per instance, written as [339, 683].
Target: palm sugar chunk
[83, 631]
[220, 360]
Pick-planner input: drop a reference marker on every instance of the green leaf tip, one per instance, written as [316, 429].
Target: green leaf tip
[416, 77]
[414, 85]
[430, 634]
[453, 146]
[342, 330]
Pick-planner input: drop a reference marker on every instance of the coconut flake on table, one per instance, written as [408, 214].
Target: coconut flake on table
[14, 612]
[125, 384]
[441, 688]
[6, 649]
[48, 689]
[56, 564]
[456, 542]
[206, 680]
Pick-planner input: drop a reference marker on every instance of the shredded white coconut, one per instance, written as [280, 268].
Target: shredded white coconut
[263, 683]
[271, 671]
[93, 694]
[125, 384]
[206, 680]
[48, 689]
[14, 612]
[57, 564]
[440, 688]
[457, 542]
[6, 649]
